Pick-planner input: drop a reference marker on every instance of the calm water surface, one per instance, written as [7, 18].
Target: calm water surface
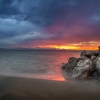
[34, 64]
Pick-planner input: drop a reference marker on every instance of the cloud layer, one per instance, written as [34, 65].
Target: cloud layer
[35, 23]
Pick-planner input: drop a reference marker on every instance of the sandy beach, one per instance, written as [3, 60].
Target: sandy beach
[15, 88]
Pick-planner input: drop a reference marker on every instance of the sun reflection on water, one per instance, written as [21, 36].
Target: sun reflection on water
[48, 77]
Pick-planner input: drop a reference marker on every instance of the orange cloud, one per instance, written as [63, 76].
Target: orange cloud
[92, 45]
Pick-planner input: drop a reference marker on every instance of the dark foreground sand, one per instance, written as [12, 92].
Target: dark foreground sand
[12, 88]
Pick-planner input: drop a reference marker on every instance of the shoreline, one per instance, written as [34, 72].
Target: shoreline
[18, 88]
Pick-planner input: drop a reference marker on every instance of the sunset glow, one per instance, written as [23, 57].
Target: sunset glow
[59, 47]
[69, 47]
[92, 45]
[50, 77]
[67, 24]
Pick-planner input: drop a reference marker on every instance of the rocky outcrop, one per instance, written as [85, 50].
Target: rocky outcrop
[83, 66]
[88, 64]
[98, 65]
[70, 65]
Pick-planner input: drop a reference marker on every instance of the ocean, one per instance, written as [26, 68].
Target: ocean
[41, 64]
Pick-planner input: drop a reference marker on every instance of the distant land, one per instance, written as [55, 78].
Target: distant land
[30, 49]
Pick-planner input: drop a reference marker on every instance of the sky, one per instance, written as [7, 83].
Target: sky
[59, 24]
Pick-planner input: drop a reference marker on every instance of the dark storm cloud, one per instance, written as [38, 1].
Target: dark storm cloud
[43, 12]
[48, 20]
[7, 8]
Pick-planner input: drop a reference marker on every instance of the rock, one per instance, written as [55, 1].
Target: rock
[95, 73]
[99, 79]
[83, 66]
[88, 64]
[63, 63]
[70, 65]
[72, 59]
[86, 53]
[96, 53]
[64, 66]
[93, 57]
[99, 53]
[98, 65]
[99, 48]
[85, 74]
[94, 61]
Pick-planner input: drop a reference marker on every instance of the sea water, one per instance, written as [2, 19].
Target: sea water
[42, 64]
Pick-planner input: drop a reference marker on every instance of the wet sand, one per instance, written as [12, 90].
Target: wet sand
[14, 88]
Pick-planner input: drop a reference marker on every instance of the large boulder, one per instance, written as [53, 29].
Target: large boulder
[72, 61]
[82, 69]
